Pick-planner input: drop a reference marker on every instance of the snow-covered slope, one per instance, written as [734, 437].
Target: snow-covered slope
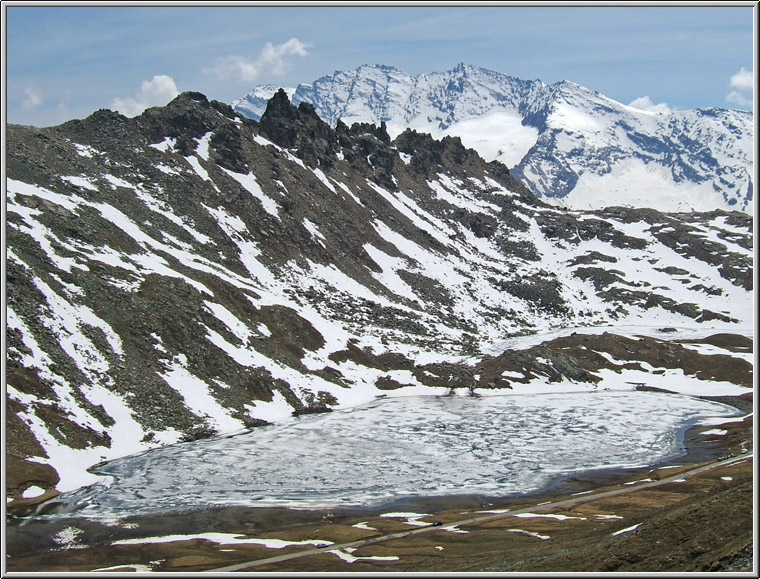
[190, 272]
[255, 102]
[569, 144]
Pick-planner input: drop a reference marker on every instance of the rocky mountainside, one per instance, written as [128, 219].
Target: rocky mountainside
[190, 271]
[568, 144]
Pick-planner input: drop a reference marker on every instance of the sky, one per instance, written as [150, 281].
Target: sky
[67, 61]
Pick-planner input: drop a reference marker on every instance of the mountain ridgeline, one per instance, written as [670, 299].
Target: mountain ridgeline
[571, 145]
[190, 271]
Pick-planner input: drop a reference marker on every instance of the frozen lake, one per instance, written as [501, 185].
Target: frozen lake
[402, 447]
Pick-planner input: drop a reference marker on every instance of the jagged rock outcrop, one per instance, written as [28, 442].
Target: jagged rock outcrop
[298, 128]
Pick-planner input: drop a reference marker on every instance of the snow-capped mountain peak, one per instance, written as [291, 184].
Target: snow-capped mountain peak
[256, 100]
[570, 144]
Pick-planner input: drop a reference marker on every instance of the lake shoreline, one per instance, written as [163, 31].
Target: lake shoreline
[695, 449]
[569, 481]
[32, 544]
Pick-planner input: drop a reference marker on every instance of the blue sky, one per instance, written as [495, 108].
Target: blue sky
[65, 62]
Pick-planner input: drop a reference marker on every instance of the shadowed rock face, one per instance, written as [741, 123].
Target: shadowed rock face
[189, 271]
[298, 128]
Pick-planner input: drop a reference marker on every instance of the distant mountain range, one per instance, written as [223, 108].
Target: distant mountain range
[568, 144]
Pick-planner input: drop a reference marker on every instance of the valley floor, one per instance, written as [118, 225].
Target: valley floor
[700, 522]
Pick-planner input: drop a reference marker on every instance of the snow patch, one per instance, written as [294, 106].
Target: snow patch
[250, 184]
[32, 492]
[83, 182]
[69, 538]
[547, 516]
[627, 529]
[85, 150]
[348, 558]
[197, 396]
[203, 145]
[166, 146]
[715, 432]
[529, 534]
[118, 182]
[221, 539]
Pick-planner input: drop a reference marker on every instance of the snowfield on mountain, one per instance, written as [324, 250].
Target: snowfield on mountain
[569, 144]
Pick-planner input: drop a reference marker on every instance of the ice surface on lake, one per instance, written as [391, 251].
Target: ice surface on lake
[402, 447]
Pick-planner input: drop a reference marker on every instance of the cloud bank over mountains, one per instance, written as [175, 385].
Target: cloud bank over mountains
[155, 92]
[272, 59]
[743, 82]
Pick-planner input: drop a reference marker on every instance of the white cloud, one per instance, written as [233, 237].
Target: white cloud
[742, 80]
[33, 99]
[272, 59]
[739, 99]
[155, 92]
[645, 104]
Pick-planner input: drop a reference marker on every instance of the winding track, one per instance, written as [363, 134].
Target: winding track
[489, 517]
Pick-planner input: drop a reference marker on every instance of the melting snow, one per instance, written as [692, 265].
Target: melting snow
[85, 150]
[262, 141]
[165, 146]
[626, 530]
[32, 492]
[388, 277]
[197, 167]
[203, 145]
[311, 228]
[118, 182]
[529, 534]
[547, 516]
[221, 539]
[168, 170]
[350, 558]
[411, 518]
[321, 176]
[250, 184]
[716, 420]
[277, 409]
[83, 182]
[69, 537]
[197, 396]
[135, 567]
[454, 529]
